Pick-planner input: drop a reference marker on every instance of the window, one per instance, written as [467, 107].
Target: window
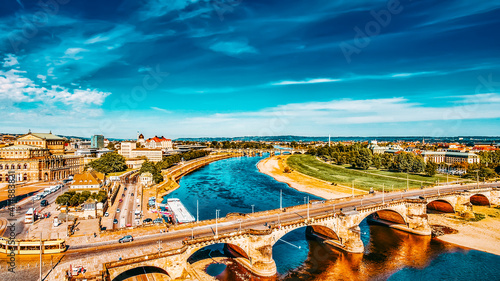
[1, 167]
[25, 166]
[12, 167]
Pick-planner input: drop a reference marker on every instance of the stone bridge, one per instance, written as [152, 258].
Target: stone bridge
[461, 202]
[253, 248]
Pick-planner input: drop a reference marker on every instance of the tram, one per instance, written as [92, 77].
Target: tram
[32, 247]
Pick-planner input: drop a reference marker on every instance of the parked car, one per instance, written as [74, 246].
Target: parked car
[158, 220]
[128, 225]
[126, 238]
[77, 270]
[125, 188]
[44, 203]
[118, 210]
[121, 200]
[106, 214]
[132, 194]
[115, 221]
[148, 220]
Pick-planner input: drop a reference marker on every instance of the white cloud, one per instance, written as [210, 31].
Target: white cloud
[308, 81]
[15, 88]
[233, 48]
[10, 60]
[161, 109]
[344, 112]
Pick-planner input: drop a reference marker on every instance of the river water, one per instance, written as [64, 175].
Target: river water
[235, 184]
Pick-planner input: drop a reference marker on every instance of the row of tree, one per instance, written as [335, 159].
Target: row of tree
[73, 198]
[360, 157]
[240, 145]
[168, 161]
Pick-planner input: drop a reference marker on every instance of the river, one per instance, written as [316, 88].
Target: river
[234, 185]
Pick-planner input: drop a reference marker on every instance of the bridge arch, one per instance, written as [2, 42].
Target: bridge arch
[441, 205]
[319, 230]
[140, 271]
[479, 199]
[388, 215]
[229, 250]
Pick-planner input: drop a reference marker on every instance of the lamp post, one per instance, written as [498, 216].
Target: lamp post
[353, 189]
[281, 199]
[383, 193]
[307, 207]
[252, 208]
[216, 223]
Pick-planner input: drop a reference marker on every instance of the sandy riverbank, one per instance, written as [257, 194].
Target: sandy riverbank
[274, 166]
[483, 235]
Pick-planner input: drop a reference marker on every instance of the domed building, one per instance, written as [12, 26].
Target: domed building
[140, 138]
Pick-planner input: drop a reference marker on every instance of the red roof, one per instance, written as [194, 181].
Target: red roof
[157, 139]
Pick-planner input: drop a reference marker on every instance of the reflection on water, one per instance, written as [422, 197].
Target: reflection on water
[389, 255]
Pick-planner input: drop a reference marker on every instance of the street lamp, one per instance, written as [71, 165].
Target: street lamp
[252, 208]
[216, 225]
[281, 199]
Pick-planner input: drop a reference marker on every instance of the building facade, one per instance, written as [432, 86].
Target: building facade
[129, 150]
[38, 157]
[159, 142]
[97, 141]
[89, 180]
[450, 157]
[55, 144]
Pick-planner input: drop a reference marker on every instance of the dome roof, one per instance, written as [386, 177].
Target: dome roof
[141, 136]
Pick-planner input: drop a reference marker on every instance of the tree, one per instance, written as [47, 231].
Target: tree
[431, 168]
[363, 159]
[111, 146]
[109, 163]
[377, 161]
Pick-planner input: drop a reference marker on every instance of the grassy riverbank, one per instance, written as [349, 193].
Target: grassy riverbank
[363, 179]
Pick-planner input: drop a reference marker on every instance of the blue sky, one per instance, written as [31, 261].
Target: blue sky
[192, 68]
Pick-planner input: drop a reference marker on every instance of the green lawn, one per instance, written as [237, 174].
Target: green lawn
[342, 175]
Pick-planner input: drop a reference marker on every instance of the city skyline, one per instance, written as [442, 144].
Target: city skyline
[241, 68]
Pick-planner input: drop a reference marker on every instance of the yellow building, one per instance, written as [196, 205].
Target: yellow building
[55, 144]
[38, 157]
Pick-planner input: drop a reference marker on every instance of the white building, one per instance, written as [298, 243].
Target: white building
[129, 150]
[146, 179]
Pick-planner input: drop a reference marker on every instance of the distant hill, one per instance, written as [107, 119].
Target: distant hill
[353, 138]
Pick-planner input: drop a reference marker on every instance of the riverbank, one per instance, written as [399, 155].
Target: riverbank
[483, 235]
[274, 166]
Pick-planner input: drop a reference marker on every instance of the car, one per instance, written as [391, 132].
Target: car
[128, 225]
[77, 270]
[106, 214]
[121, 200]
[123, 194]
[125, 188]
[132, 194]
[118, 210]
[148, 220]
[44, 203]
[126, 238]
[115, 221]
[158, 220]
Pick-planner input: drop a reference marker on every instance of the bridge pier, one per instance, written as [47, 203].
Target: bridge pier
[352, 241]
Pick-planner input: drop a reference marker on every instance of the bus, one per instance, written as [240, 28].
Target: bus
[30, 216]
